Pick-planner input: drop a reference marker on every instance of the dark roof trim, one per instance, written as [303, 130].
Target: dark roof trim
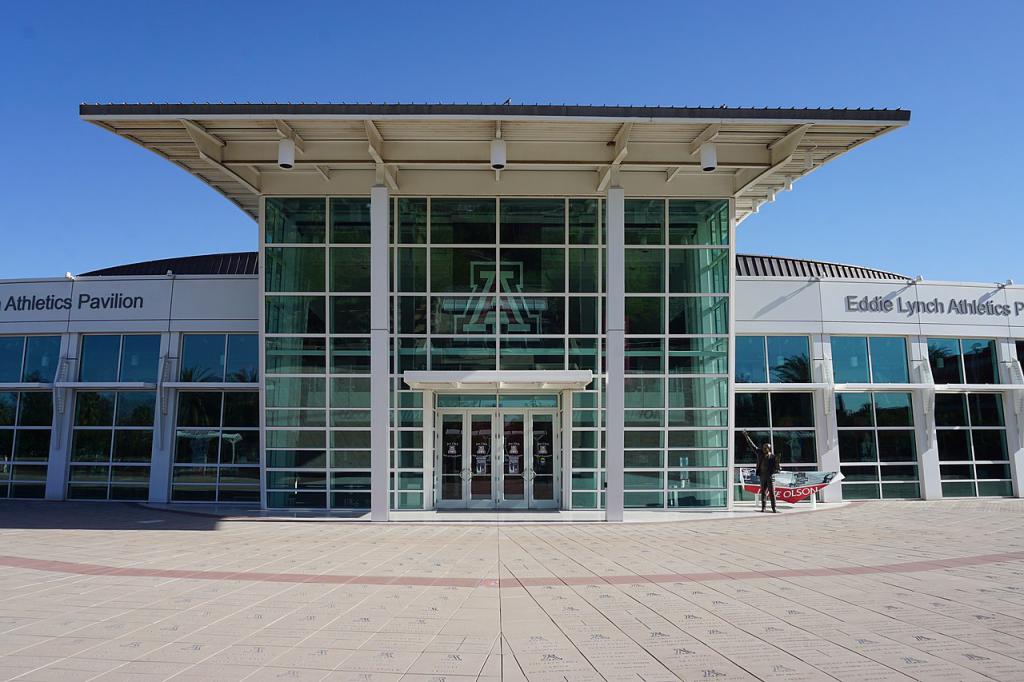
[777, 266]
[495, 110]
[247, 263]
[240, 263]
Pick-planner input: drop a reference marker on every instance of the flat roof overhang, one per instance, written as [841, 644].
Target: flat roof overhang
[501, 380]
[443, 149]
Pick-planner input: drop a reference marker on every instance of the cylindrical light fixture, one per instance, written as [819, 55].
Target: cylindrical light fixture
[499, 154]
[708, 157]
[286, 153]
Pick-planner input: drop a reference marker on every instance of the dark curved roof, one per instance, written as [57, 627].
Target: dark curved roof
[246, 263]
[239, 263]
[778, 266]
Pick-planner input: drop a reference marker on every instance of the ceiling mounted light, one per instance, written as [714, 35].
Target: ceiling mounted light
[499, 152]
[708, 157]
[286, 153]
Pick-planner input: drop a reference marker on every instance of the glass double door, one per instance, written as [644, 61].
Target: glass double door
[497, 459]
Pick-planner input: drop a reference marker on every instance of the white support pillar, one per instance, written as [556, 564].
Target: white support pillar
[164, 419]
[63, 409]
[928, 473]
[825, 415]
[1011, 373]
[615, 395]
[380, 357]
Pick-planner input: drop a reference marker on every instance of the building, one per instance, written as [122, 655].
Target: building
[499, 306]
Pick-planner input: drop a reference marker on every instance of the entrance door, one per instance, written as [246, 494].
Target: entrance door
[497, 459]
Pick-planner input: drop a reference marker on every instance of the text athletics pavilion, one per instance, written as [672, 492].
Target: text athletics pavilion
[500, 307]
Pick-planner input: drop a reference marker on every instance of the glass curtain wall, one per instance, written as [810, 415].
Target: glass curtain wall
[970, 426]
[485, 284]
[677, 325]
[216, 437]
[877, 446]
[26, 416]
[112, 436]
[783, 418]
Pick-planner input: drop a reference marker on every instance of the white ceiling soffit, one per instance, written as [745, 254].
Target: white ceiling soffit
[502, 380]
[444, 149]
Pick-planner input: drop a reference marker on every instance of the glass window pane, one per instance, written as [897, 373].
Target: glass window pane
[582, 315]
[294, 269]
[12, 349]
[897, 446]
[954, 446]
[100, 354]
[583, 270]
[792, 410]
[140, 358]
[350, 314]
[645, 356]
[462, 270]
[857, 446]
[412, 355]
[980, 361]
[199, 409]
[583, 354]
[243, 358]
[644, 221]
[532, 315]
[645, 315]
[350, 392]
[582, 221]
[645, 271]
[41, 358]
[944, 358]
[133, 445]
[296, 355]
[135, 408]
[33, 445]
[850, 359]
[752, 411]
[462, 221]
[986, 409]
[412, 270]
[699, 271]
[350, 220]
[698, 356]
[950, 410]
[350, 356]
[241, 408]
[295, 315]
[91, 446]
[295, 221]
[463, 354]
[894, 409]
[989, 444]
[889, 360]
[854, 409]
[795, 447]
[788, 360]
[698, 315]
[463, 314]
[350, 269]
[36, 409]
[687, 393]
[412, 316]
[94, 409]
[698, 222]
[202, 357]
[533, 270]
[532, 221]
[751, 362]
[296, 392]
[412, 221]
[532, 353]
[644, 393]
[8, 408]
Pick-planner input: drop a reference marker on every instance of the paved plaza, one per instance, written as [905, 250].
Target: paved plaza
[875, 591]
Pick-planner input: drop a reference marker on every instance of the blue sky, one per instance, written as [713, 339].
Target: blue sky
[940, 198]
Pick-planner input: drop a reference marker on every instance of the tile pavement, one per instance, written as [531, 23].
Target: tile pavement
[876, 591]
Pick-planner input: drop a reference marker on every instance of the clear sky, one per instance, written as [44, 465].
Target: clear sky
[941, 198]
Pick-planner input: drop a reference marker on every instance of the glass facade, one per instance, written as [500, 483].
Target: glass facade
[496, 284]
[773, 359]
[963, 361]
[971, 434]
[217, 447]
[875, 359]
[786, 420]
[877, 445]
[26, 416]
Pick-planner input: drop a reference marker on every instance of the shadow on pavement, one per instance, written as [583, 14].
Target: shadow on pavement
[23, 514]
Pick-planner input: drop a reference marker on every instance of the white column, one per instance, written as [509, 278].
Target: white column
[61, 428]
[615, 395]
[924, 422]
[825, 416]
[428, 450]
[380, 354]
[163, 424]
[1013, 409]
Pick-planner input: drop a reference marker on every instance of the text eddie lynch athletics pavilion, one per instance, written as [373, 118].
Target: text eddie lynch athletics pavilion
[511, 307]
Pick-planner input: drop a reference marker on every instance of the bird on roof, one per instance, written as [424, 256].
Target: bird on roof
[508, 101]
